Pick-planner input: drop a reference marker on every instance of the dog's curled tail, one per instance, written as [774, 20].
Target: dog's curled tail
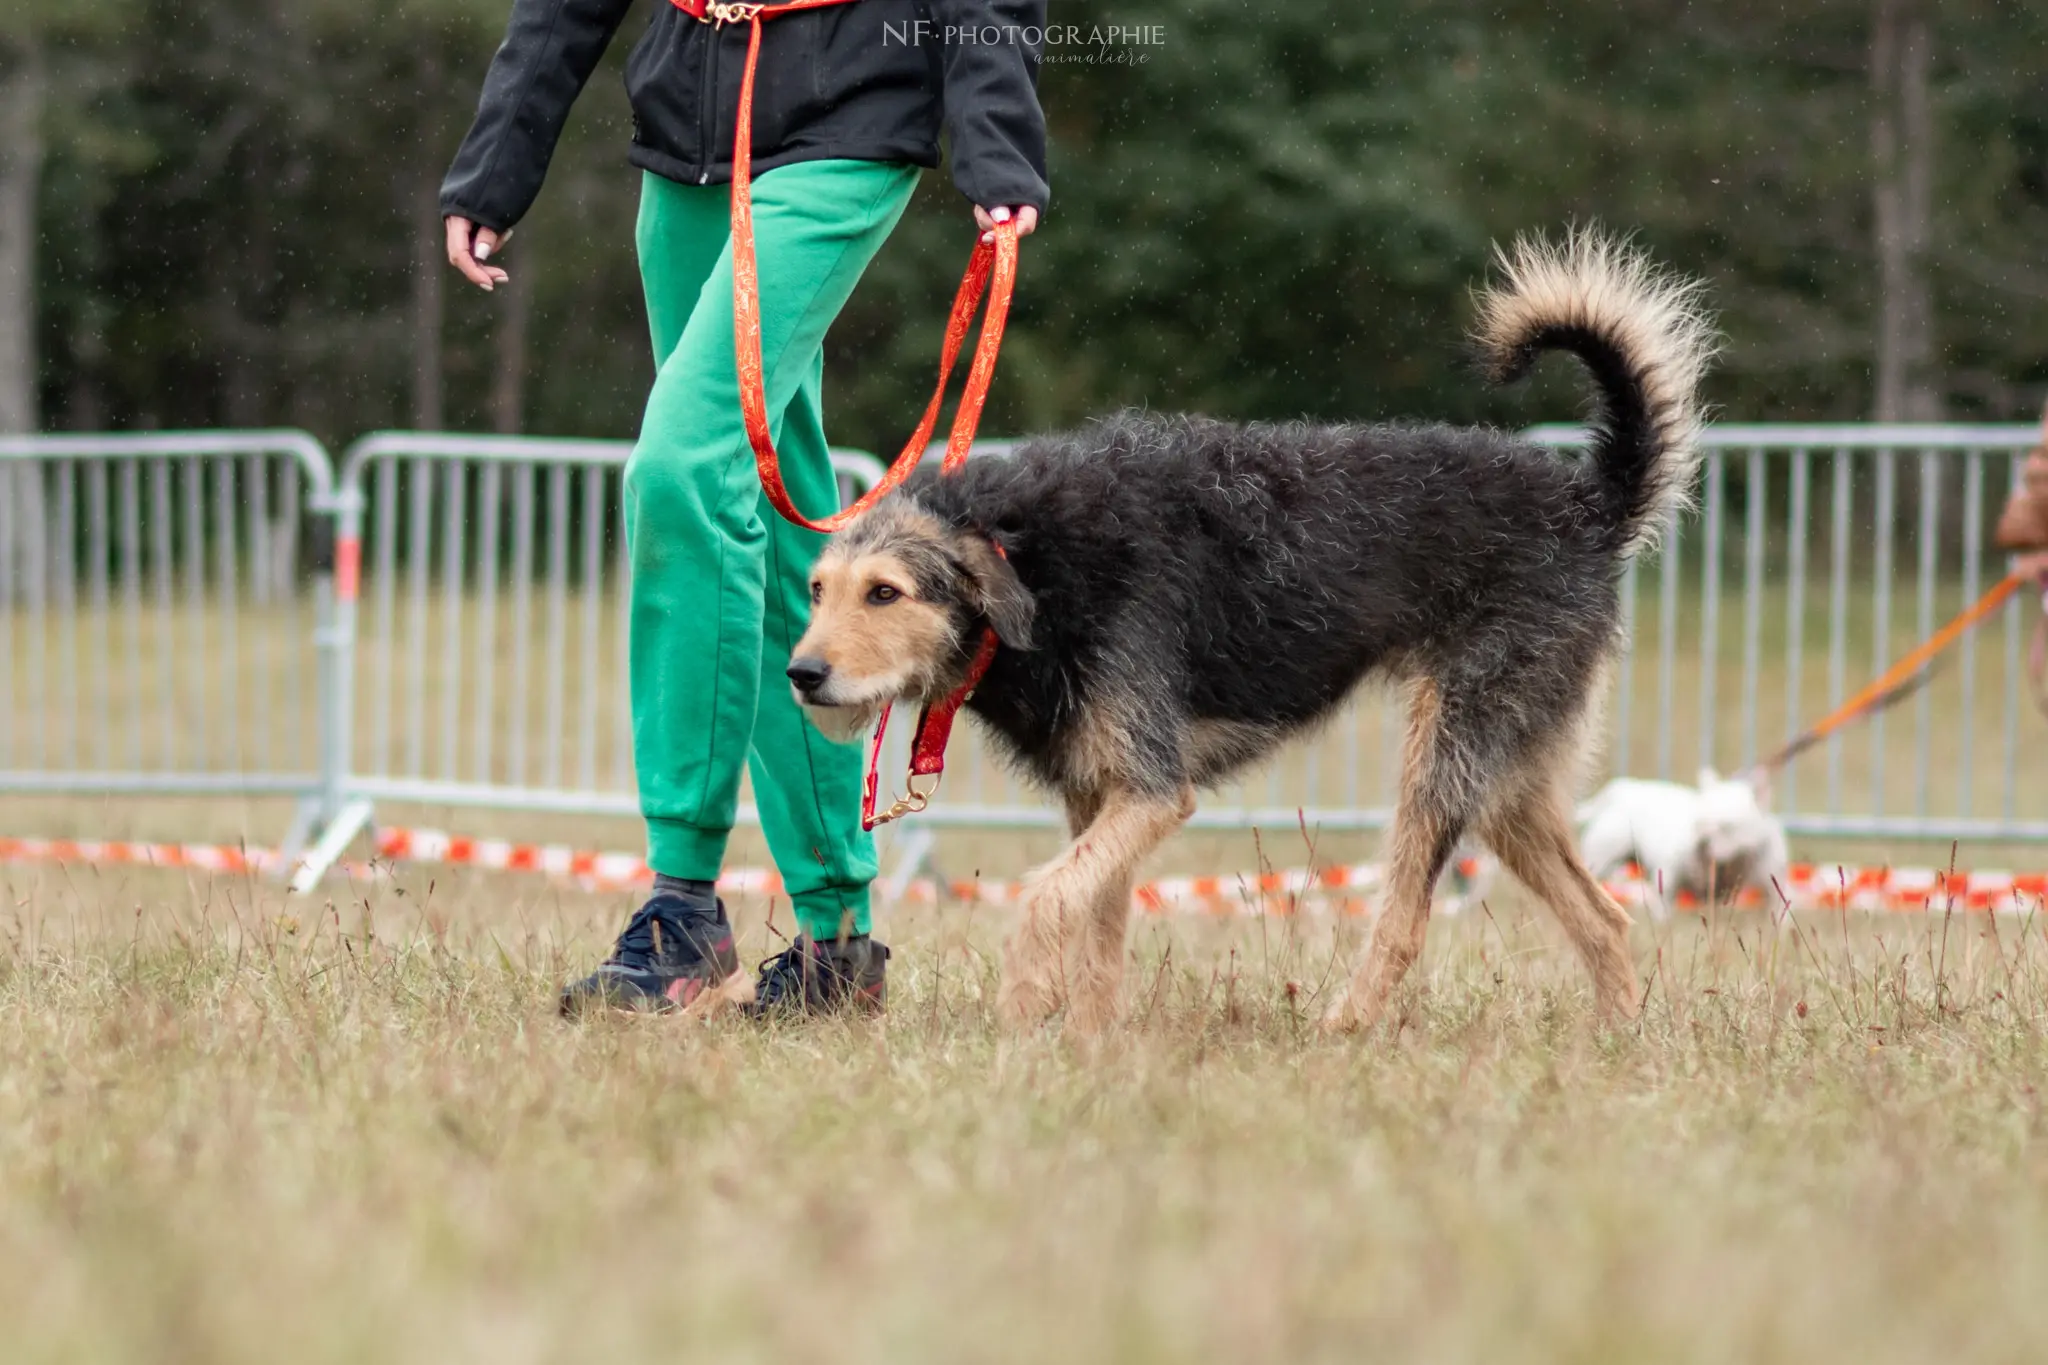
[1644, 336]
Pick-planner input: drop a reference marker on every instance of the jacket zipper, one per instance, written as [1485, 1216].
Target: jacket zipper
[707, 127]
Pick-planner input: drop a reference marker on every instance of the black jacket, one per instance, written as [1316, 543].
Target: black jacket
[871, 80]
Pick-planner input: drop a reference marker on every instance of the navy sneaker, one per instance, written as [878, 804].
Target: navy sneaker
[812, 978]
[675, 954]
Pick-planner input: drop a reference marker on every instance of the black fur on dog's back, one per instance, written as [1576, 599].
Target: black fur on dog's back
[1242, 579]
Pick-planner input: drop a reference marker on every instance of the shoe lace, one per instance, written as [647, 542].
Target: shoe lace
[647, 935]
[782, 976]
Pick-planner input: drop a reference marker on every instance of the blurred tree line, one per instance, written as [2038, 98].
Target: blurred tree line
[223, 214]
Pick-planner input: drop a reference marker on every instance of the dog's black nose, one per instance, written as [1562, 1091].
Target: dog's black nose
[808, 674]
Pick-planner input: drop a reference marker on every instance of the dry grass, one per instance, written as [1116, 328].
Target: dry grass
[234, 1128]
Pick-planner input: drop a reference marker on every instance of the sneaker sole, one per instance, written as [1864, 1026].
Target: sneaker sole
[735, 992]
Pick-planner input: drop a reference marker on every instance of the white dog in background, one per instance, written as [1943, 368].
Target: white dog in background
[1719, 837]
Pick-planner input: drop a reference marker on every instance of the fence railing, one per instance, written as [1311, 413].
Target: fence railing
[162, 625]
[442, 619]
[1813, 557]
[490, 660]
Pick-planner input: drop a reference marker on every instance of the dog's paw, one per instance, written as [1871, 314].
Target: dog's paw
[1024, 1004]
[1093, 1014]
[1617, 995]
[1342, 1020]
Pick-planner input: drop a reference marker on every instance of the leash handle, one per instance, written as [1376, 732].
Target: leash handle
[991, 270]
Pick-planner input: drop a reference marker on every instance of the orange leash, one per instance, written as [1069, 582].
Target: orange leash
[991, 270]
[1901, 679]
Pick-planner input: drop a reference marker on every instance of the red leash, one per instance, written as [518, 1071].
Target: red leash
[991, 270]
[927, 745]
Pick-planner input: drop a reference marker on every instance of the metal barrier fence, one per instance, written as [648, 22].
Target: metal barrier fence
[456, 635]
[490, 662]
[1814, 556]
[161, 633]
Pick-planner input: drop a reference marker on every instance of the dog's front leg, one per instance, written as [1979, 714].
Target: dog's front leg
[1083, 892]
[1032, 963]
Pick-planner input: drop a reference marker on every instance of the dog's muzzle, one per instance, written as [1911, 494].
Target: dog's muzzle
[807, 675]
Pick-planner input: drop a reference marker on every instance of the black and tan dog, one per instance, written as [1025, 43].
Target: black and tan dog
[1175, 596]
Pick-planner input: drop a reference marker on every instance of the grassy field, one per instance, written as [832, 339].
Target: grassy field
[236, 1128]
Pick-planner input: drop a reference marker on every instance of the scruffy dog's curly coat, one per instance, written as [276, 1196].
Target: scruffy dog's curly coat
[1177, 595]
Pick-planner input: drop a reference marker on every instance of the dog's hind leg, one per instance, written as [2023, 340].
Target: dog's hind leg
[1077, 893]
[1532, 835]
[1432, 813]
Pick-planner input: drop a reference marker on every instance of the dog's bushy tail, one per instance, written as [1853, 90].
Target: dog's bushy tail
[1646, 339]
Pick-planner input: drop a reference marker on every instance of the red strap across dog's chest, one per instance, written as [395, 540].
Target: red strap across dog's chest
[927, 745]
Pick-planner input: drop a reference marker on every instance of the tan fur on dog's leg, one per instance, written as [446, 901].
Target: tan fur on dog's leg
[1099, 975]
[1417, 848]
[1398, 937]
[1070, 895]
[1098, 985]
[1033, 958]
[1031, 992]
[1533, 837]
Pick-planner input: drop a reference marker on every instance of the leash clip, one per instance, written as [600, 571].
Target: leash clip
[723, 14]
[912, 802]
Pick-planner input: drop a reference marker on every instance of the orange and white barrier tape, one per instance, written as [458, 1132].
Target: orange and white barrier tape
[116, 852]
[1904, 890]
[1345, 888]
[215, 858]
[1248, 893]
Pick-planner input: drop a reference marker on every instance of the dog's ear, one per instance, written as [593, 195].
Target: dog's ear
[1759, 780]
[1708, 777]
[994, 589]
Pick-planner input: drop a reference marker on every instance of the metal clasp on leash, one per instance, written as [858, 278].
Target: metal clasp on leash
[912, 802]
[723, 14]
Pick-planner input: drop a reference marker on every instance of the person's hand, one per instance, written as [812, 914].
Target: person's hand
[469, 246]
[986, 220]
[2033, 566]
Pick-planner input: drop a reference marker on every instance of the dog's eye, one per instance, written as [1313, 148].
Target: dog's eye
[882, 594]
[817, 592]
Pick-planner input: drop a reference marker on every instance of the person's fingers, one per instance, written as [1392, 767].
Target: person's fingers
[489, 243]
[460, 232]
[986, 220]
[457, 232]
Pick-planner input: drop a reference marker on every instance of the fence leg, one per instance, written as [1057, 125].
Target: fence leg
[351, 820]
[337, 547]
[305, 819]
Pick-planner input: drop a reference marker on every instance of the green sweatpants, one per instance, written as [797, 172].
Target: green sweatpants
[720, 581]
